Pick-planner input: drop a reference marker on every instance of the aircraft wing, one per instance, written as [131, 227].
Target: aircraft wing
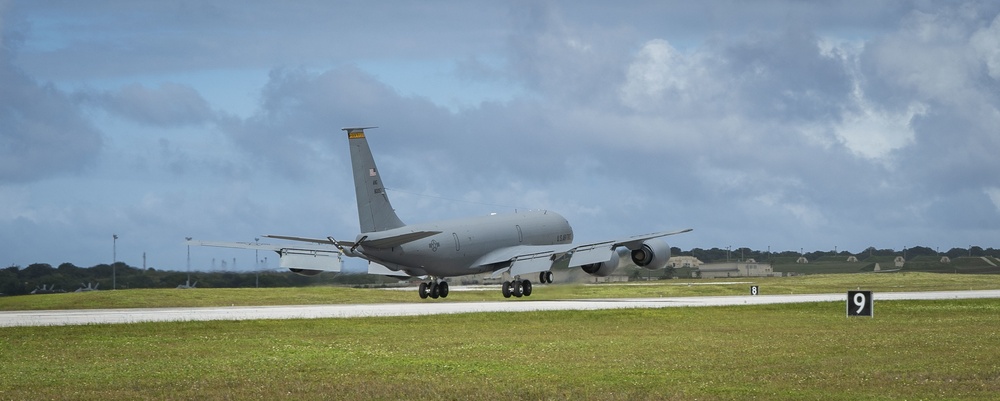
[526, 259]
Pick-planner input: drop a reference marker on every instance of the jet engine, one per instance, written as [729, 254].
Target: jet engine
[604, 269]
[305, 272]
[652, 254]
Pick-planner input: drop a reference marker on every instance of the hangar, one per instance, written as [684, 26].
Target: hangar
[747, 268]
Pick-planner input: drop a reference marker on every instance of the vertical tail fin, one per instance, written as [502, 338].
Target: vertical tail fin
[374, 210]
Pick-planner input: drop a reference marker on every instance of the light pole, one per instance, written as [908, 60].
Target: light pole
[256, 263]
[114, 261]
[189, 260]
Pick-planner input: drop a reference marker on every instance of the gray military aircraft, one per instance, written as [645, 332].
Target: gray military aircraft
[516, 245]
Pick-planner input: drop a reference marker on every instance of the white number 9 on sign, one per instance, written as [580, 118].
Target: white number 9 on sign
[859, 302]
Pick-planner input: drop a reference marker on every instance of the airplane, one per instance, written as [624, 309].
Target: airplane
[517, 245]
[87, 288]
[187, 285]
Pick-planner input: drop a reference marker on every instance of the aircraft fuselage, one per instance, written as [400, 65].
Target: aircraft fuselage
[460, 243]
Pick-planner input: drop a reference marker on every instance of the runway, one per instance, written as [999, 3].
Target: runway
[120, 316]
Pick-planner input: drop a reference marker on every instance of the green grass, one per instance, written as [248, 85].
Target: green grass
[910, 350]
[833, 283]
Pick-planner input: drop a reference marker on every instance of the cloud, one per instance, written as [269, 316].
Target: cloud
[659, 72]
[302, 112]
[986, 42]
[873, 133]
[994, 194]
[169, 105]
[42, 131]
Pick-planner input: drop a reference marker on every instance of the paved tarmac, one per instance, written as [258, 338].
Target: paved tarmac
[116, 316]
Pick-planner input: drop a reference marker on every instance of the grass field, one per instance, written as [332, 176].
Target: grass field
[833, 283]
[911, 350]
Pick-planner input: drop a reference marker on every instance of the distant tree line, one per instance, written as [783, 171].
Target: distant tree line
[15, 280]
[67, 277]
[721, 255]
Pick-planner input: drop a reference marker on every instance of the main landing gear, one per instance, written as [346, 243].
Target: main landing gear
[517, 288]
[434, 289]
[522, 288]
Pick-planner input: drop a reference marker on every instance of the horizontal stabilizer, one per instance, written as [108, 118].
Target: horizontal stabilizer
[321, 246]
[302, 239]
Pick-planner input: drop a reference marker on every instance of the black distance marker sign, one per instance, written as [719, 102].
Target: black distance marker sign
[754, 290]
[859, 303]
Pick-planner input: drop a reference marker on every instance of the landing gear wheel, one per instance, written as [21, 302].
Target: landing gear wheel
[423, 291]
[516, 291]
[443, 289]
[434, 291]
[526, 288]
[548, 277]
[541, 277]
[506, 289]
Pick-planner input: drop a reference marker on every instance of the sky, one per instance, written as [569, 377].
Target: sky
[781, 125]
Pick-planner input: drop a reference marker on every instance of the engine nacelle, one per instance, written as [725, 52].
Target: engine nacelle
[305, 272]
[653, 254]
[603, 269]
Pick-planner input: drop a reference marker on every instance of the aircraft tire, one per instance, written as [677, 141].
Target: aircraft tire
[516, 290]
[434, 291]
[443, 289]
[541, 277]
[548, 277]
[526, 288]
[423, 291]
[506, 289]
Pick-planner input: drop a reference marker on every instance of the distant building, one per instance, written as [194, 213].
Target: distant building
[684, 261]
[734, 269]
[802, 260]
[899, 261]
[852, 259]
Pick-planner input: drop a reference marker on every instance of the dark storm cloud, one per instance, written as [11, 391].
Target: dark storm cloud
[941, 59]
[42, 131]
[302, 113]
